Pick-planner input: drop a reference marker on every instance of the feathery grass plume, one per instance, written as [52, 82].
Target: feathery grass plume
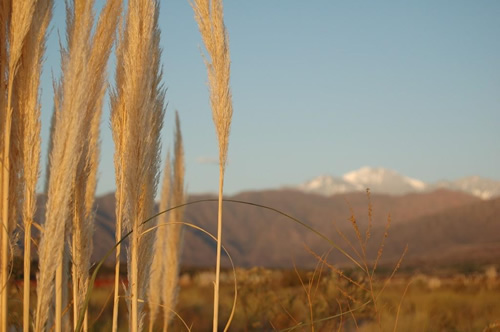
[26, 98]
[118, 125]
[174, 232]
[79, 229]
[168, 244]
[209, 15]
[18, 15]
[65, 155]
[86, 176]
[157, 267]
[137, 117]
[50, 145]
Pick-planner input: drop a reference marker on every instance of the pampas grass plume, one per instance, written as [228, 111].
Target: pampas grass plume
[209, 15]
[137, 118]
[65, 155]
[168, 244]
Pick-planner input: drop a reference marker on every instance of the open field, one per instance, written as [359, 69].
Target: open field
[276, 300]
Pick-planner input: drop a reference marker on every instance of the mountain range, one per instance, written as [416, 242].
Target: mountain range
[385, 181]
[441, 227]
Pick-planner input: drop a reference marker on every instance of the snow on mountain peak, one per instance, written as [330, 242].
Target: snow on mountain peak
[367, 175]
[327, 185]
[417, 184]
[475, 185]
[386, 181]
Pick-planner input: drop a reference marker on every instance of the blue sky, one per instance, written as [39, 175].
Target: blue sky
[326, 87]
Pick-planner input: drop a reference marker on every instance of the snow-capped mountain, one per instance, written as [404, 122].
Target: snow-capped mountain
[385, 181]
[475, 185]
[328, 185]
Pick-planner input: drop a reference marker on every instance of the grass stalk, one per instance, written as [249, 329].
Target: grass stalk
[17, 27]
[30, 70]
[118, 235]
[219, 242]
[158, 267]
[59, 298]
[68, 135]
[3, 114]
[210, 18]
[25, 99]
[174, 231]
[5, 225]
[119, 121]
[27, 275]
[134, 288]
[137, 119]
[85, 181]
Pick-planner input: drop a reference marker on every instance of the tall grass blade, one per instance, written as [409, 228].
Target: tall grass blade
[137, 117]
[210, 19]
[18, 16]
[68, 135]
[27, 94]
[85, 181]
[160, 247]
[174, 231]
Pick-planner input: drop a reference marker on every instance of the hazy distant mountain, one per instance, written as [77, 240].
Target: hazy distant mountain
[475, 185]
[465, 235]
[329, 185]
[385, 181]
[255, 236]
[440, 226]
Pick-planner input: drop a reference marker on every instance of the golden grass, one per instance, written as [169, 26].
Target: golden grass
[27, 86]
[138, 116]
[173, 238]
[157, 267]
[119, 122]
[85, 182]
[74, 144]
[210, 18]
[18, 17]
[23, 28]
[69, 132]
[168, 244]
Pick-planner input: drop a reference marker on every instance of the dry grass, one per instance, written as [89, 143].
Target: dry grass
[137, 119]
[23, 28]
[18, 18]
[157, 267]
[210, 18]
[174, 231]
[168, 244]
[27, 86]
[138, 116]
[85, 182]
[71, 124]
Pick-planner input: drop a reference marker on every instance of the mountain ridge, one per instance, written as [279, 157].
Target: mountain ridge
[261, 237]
[386, 181]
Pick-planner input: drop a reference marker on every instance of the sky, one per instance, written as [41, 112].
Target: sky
[326, 87]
